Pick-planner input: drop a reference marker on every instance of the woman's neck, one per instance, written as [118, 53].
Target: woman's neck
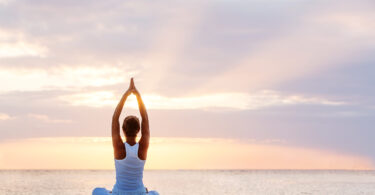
[131, 140]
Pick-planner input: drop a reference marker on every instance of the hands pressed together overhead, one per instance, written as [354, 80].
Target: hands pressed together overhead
[132, 88]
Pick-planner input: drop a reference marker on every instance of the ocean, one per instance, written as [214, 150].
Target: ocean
[192, 182]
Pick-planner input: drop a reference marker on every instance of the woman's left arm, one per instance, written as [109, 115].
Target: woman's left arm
[118, 144]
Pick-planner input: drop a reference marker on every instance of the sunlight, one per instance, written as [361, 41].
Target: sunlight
[252, 101]
[4, 116]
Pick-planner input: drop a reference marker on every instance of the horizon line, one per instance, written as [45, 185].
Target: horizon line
[192, 169]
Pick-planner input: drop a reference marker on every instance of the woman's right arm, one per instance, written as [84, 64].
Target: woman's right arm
[145, 129]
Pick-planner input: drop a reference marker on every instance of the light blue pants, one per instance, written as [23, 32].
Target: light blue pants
[103, 191]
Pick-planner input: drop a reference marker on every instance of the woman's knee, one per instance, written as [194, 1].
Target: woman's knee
[153, 193]
[100, 191]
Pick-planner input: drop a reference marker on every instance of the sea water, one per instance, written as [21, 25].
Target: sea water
[192, 182]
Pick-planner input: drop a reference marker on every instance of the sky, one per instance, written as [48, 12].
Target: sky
[278, 84]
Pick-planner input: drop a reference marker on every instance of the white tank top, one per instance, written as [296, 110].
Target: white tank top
[129, 171]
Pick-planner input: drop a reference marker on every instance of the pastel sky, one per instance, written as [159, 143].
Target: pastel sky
[265, 79]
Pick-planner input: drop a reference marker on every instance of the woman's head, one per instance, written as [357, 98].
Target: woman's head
[131, 126]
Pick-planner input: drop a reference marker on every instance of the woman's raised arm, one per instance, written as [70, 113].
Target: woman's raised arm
[118, 144]
[145, 129]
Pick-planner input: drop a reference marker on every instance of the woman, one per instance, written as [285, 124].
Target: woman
[130, 156]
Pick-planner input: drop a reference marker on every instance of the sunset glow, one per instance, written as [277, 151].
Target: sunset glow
[173, 153]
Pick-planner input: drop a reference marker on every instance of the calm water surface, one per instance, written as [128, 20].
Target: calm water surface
[193, 182]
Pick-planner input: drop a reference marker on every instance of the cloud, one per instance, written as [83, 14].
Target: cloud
[359, 24]
[91, 99]
[4, 117]
[4, 2]
[325, 37]
[21, 49]
[178, 52]
[47, 119]
[242, 101]
[62, 77]
[15, 44]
